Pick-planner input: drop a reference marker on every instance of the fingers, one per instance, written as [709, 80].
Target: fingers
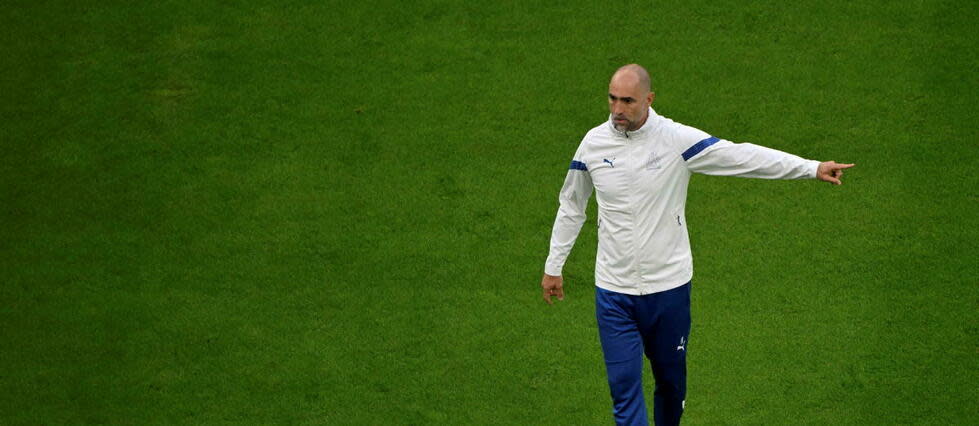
[557, 292]
[552, 286]
[829, 177]
[553, 291]
[836, 172]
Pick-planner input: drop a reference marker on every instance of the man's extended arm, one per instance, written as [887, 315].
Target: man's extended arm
[719, 157]
[570, 217]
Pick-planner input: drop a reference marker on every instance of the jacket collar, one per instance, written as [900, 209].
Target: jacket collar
[645, 128]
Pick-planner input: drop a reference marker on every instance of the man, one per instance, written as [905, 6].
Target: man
[639, 164]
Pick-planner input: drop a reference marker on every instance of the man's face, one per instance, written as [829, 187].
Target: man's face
[627, 102]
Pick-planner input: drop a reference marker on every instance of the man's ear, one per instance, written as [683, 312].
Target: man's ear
[652, 95]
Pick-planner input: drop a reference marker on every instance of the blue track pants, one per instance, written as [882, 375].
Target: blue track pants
[658, 326]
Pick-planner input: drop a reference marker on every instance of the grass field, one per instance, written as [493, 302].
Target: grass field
[338, 212]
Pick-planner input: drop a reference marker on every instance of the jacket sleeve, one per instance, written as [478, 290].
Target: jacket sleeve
[574, 197]
[713, 156]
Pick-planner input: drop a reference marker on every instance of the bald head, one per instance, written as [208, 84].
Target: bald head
[635, 74]
[629, 97]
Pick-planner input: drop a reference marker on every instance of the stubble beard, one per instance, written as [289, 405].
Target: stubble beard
[623, 126]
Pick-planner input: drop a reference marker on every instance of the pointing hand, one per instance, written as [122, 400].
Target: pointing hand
[831, 171]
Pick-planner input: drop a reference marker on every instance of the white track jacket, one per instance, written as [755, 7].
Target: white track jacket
[640, 179]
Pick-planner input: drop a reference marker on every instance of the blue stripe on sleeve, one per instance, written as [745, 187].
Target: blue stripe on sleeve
[699, 146]
[577, 165]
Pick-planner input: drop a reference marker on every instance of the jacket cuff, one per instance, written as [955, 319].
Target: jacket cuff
[550, 269]
[813, 167]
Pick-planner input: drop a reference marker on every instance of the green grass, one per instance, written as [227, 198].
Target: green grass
[306, 212]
